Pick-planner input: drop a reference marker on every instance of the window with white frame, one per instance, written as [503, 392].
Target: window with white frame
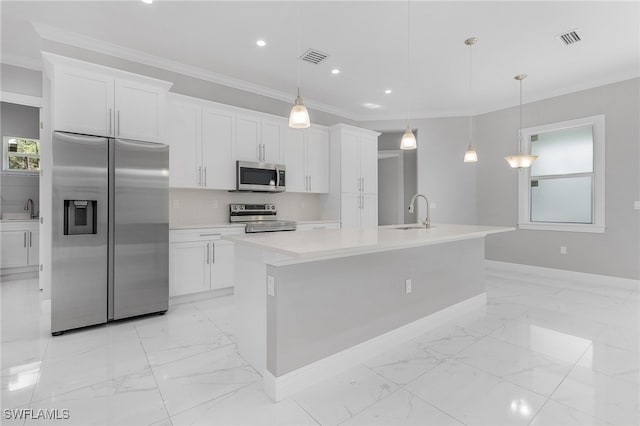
[564, 188]
[20, 155]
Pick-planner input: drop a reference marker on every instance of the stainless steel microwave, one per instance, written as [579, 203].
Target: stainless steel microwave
[260, 177]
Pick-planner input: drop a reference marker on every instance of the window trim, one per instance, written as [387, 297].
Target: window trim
[6, 154]
[524, 178]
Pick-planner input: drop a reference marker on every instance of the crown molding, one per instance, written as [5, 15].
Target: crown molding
[21, 61]
[58, 35]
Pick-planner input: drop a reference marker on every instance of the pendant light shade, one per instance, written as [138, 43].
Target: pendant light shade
[408, 140]
[520, 160]
[299, 116]
[470, 155]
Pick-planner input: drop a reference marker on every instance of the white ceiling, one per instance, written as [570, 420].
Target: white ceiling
[366, 41]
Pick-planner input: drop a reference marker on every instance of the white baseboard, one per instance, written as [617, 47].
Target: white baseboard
[204, 295]
[562, 274]
[279, 388]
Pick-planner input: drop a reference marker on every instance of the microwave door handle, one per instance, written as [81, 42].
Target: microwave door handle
[277, 178]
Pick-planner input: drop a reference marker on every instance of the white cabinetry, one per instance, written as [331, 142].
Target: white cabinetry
[354, 164]
[200, 261]
[272, 131]
[248, 141]
[201, 140]
[19, 244]
[306, 155]
[96, 100]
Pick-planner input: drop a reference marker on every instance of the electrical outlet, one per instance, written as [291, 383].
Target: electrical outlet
[407, 286]
[271, 286]
[176, 204]
[563, 250]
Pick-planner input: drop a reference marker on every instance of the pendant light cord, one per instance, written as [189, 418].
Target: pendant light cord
[408, 63]
[299, 44]
[470, 89]
[520, 128]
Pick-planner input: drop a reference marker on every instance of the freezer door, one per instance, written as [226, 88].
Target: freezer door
[79, 227]
[141, 232]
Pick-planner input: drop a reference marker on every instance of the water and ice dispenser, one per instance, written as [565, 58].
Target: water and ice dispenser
[80, 217]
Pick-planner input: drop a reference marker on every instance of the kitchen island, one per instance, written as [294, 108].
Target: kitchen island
[311, 304]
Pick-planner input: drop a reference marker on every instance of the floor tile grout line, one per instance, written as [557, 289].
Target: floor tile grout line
[434, 406]
[304, 409]
[153, 374]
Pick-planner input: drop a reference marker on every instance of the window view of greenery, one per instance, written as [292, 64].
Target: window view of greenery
[21, 154]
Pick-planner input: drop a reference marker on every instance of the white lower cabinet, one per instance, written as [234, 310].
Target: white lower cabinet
[200, 261]
[19, 244]
[359, 211]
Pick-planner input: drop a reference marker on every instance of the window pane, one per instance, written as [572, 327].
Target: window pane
[34, 164]
[563, 151]
[566, 200]
[28, 146]
[18, 163]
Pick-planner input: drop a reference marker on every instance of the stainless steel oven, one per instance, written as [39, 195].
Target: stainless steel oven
[260, 177]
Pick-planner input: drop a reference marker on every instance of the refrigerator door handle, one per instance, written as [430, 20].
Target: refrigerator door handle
[118, 121]
[110, 123]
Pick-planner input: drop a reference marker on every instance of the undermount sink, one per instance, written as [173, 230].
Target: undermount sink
[407, 227]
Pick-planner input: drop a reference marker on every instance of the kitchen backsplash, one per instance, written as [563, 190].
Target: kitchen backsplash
[15, 190]
[190, 207]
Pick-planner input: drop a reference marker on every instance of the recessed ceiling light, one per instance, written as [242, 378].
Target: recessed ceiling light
[147, 1]
[261, 43]
[387, 91]
[371, 105]
[335, 71]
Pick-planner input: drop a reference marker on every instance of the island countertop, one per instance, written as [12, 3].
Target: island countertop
[349, 242]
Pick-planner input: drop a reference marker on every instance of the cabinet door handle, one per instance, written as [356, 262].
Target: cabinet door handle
[362, 184]
[205, 176]
[309, 183]
[110, 124]
[200, 176]
[211, 235]
[24, 242]
[118, 122]
[213, 253]
[30, 239]
[208, 253]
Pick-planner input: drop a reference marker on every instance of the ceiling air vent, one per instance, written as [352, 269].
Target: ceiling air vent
[570, 37]
[314, 56]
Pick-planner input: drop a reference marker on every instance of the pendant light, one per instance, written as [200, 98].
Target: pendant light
[299, 116]
[408, 140]
[520, 160]
[470, 155]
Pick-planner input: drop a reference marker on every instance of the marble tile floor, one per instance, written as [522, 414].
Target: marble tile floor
[542, 352]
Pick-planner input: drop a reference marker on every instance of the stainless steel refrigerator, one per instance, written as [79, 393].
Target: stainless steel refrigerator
[110, 230]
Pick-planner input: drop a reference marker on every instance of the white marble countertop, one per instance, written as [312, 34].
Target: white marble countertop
[341, 242]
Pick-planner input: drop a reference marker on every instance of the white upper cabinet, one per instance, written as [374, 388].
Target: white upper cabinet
[293, 157]
[369, 164]
[248, 141]
[317, 159]
[185, 144]
[218, 136]
[95, 100]
[271, 139]
[350, 163]
[139, 111]
[83, 102]
[306, 155]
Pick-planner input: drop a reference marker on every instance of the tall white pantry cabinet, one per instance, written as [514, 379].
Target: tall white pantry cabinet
[354, 171]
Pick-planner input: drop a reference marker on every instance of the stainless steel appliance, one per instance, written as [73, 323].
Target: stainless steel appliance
[259, 218]
[260, 177]
[110, 230]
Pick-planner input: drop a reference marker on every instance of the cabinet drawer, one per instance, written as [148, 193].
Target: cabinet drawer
[203, 234]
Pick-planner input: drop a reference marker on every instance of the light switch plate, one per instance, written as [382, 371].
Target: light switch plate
[271, 286]
[407, 286]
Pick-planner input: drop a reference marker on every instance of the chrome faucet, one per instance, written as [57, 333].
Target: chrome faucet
[28, 206]
[427, 220]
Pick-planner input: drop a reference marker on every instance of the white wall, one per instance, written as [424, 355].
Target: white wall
[617, 251]
[20, 80]
[391, 204]
[449, 183]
